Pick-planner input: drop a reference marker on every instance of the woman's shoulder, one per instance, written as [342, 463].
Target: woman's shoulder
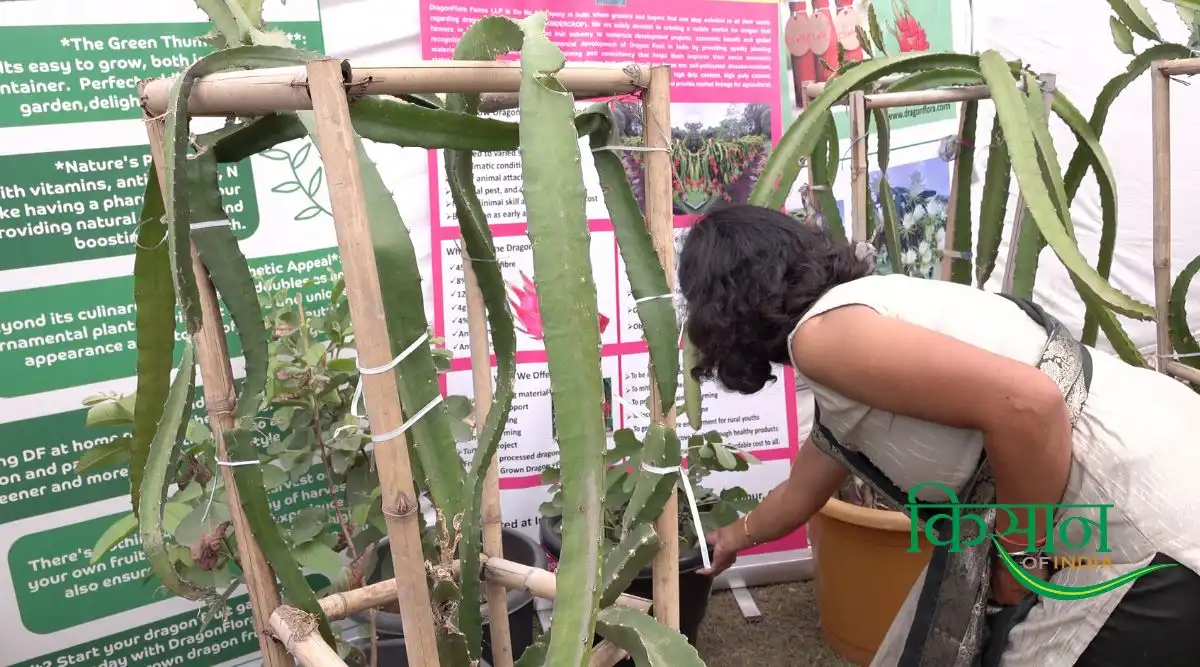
[888, 294]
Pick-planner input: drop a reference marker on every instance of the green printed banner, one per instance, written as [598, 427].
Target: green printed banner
[75, 205]
[82, 73]
[57, 587]
[74, 334]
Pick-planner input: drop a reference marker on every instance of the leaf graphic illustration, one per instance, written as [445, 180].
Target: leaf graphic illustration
[301, 155]
[1054, 591]
[309, 213]
[315, 182]
[286, 187]
[275, 154]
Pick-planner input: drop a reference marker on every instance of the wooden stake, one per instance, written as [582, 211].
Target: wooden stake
[1047, 82]
[1160, 111]
[606, 654]
[859, 168]
[298, 632]
[493, 524]
[660, 219]
[1180, 67]
[250, 93]
[506, 573]
[911, 98]
[339, 152]
[212, 352]
[948, 257]
[1182, 372]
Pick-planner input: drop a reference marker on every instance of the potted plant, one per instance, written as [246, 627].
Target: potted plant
[707, 453]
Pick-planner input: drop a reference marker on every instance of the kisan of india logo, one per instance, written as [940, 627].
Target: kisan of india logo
[944, 529]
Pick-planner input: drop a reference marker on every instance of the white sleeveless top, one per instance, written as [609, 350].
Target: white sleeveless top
[1135, 447]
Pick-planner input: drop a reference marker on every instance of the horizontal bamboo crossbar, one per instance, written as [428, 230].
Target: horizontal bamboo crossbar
[1183, 372]
[1180, 67]
[513, 576]
[915, 97]
[250, 93]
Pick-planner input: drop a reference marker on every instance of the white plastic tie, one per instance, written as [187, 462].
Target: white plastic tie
[632, 149]
[632, 407]
[653, 297]
[376, 370]
[234, 464]
[209, 224]
[691, 498]
[398, 431]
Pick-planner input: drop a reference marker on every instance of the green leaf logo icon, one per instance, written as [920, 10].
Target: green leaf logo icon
[1055, 592]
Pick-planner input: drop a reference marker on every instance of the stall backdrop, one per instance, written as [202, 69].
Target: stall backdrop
[73, 158]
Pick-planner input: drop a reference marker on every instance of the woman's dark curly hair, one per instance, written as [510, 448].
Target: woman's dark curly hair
[748, 274]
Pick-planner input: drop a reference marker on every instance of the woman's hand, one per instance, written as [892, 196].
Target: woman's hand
[726, 542]
[1006, 590]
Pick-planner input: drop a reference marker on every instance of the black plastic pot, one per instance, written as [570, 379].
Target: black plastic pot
[518, 548]
[694, 588]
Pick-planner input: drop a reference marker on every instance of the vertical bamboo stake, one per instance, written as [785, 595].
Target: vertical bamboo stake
[1160, 110]
[948, 252]
[660, 219]
[493, 535]
[1048, 83]
[336, 139]
[859, 169]
[212, 352]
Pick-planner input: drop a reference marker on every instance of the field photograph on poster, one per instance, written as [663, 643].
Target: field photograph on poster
[813, 31]
[717, 151]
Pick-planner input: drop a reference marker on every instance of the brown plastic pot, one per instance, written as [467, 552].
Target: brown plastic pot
[863, 572]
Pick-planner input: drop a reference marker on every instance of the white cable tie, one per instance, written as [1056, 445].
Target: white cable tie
[344, 427]
[376, 370]
[653, 297]
[686, 483]
[630, 406]
[632, 149]
[234, 464]
[1177, 355]
[397, 432]
[208, 224]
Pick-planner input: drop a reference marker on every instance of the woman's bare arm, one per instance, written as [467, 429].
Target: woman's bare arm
[909, 370]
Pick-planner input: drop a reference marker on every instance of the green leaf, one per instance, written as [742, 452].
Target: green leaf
[724, 457]
[319, 558]
[692, 396]
[994, 204]
[555, 199]
[119, 530]
[1134, 15]
[308, 524]
[648, 642]
[106, 455]
[108, 413]
[1023, 149]
[1121, 36]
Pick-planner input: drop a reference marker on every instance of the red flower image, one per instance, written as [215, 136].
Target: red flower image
[907, 30]
[524, 301]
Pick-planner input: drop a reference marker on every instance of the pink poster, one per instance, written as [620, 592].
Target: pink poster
[725, 116]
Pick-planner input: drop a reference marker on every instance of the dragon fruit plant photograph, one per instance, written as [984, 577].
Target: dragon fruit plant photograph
[718, 151]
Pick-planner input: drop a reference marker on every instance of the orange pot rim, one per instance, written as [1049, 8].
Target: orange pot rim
[867, 517]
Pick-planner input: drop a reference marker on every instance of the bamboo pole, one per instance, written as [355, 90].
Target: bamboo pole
[491, 514]
[1179, 67]
[299, 634]
[1048, 84]
[859, 168]
[606, 654]
[336, 141]
[948, 252]
[660, 219]
[1160, 113]
[212, 351]
[249, 93]
[493, 102]
[506, 573]
[1182, 372]
[914, 98]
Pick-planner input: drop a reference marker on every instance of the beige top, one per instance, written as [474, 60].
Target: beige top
[1134, 447]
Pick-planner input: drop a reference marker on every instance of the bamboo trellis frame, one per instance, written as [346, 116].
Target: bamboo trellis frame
[326, 86]
[1160, 110]
[860, 103]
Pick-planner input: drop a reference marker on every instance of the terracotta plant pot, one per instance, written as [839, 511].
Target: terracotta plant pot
[863, 574]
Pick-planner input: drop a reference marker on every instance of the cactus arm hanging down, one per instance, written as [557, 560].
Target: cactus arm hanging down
[622, 565]
[1029, 243]
[1023, 148]
[960, 265]
[993, 206]
[692, 397]
[652, 490]
[825, 162]
[155, 482]
[485, 40]
[887, 200]
[175, 152]
[648, 642]
[653, 297]
[393, 122]
[937, 78]
[555, 201]
[234, 143]
[1182, 338]
[155, 324]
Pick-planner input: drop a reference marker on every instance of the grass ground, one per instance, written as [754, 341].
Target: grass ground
[787, 634]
